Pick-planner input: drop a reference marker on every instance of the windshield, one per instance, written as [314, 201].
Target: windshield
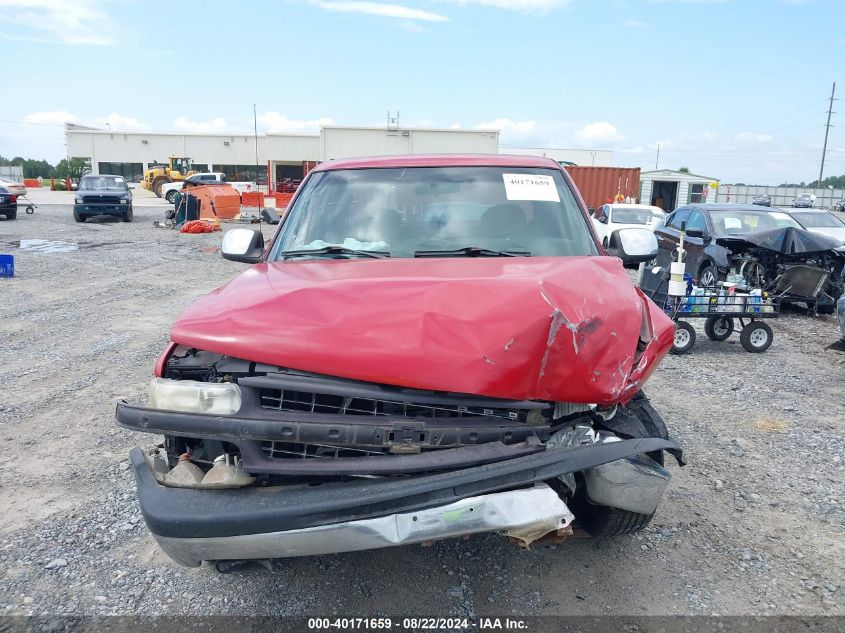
[424, 211]
[635, 216]
[97, 183]
[743, 221]
[820, 221]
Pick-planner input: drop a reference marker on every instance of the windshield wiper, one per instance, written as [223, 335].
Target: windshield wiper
[334, 250]
[471, 251]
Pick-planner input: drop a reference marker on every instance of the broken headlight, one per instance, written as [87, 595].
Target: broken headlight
[216, 398]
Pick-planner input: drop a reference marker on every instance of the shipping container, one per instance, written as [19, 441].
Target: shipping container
[600, 185]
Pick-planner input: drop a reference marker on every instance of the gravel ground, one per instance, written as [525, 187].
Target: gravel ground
[753, 525]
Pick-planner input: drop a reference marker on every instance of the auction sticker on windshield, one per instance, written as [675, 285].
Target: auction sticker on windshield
[530, 187]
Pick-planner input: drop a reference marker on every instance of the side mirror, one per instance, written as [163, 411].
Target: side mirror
[632, 246]
[698, 233]
[243, 245]
[602, 219]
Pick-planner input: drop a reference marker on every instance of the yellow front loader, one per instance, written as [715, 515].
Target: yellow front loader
[158, 175]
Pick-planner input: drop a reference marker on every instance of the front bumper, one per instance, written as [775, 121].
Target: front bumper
[525, 515]
[102, 209]
[195, 524]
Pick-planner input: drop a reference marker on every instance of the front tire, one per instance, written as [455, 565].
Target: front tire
[158, 183]
[603, 521]
[12, 215]
[78, 217]
[171, 196]
[128, 216]
[708, 276]
[684, 338]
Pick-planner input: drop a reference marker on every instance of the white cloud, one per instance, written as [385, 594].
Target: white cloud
[751, 137]
[381, 9]
[215, 124]
[276, 122]
[57, 21]
[523, 6]
[57, 117]
[635, 24]
[600, 132]
[116, 121]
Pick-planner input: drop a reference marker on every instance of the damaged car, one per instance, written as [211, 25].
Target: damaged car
[428, 347]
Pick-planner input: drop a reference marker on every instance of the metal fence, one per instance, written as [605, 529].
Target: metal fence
[11, 172]
[781, 196]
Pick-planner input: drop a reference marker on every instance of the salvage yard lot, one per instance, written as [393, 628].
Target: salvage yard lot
[753, 525]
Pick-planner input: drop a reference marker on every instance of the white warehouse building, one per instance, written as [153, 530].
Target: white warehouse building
[288, 157]
[277, 157]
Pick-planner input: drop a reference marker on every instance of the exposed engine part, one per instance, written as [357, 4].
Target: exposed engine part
[635, 483]
[227, 472]
[184, 473]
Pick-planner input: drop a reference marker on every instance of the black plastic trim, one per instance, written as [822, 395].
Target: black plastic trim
[192, 513]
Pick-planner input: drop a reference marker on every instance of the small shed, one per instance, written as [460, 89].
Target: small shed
[670, 189]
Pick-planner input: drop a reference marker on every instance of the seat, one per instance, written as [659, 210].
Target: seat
[504, 220]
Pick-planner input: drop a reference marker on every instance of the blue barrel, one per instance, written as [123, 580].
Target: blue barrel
[7, 265]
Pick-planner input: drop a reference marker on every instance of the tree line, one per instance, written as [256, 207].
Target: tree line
[74, 168]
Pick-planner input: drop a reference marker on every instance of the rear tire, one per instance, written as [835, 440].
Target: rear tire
[12, 215]
[718, 328]
[756, 337]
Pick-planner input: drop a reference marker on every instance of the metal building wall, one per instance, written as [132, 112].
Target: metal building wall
[344, 142]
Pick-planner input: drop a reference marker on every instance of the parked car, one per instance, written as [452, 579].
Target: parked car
[170, 190]
[8, 203]
[103, 195]
[429, 346]
[707, 260]
[13, 187]
[820, 221]
[762, 200]
[839, 206]
[803, 201]
[610, 217]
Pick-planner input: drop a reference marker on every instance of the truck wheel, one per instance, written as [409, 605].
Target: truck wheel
[684, 338]
[606, 521]
[78, 217]
[718, 328]
[11, 215]
[170, 196]
[128, 216]
[756, 337]
[158, 183]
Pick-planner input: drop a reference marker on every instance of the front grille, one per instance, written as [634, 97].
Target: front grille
[303, 401]
[95, 200]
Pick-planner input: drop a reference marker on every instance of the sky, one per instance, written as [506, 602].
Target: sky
[732, 89]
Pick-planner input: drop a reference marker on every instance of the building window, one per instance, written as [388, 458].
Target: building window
[240, 173]
[132, 172]
[697, 194]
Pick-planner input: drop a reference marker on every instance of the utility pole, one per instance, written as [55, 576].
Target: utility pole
[657, 160]
[826, 130]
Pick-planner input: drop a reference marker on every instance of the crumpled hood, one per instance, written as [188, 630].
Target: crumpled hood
[549, 328]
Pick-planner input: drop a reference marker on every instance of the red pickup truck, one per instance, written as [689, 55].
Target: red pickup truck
[429, 346]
